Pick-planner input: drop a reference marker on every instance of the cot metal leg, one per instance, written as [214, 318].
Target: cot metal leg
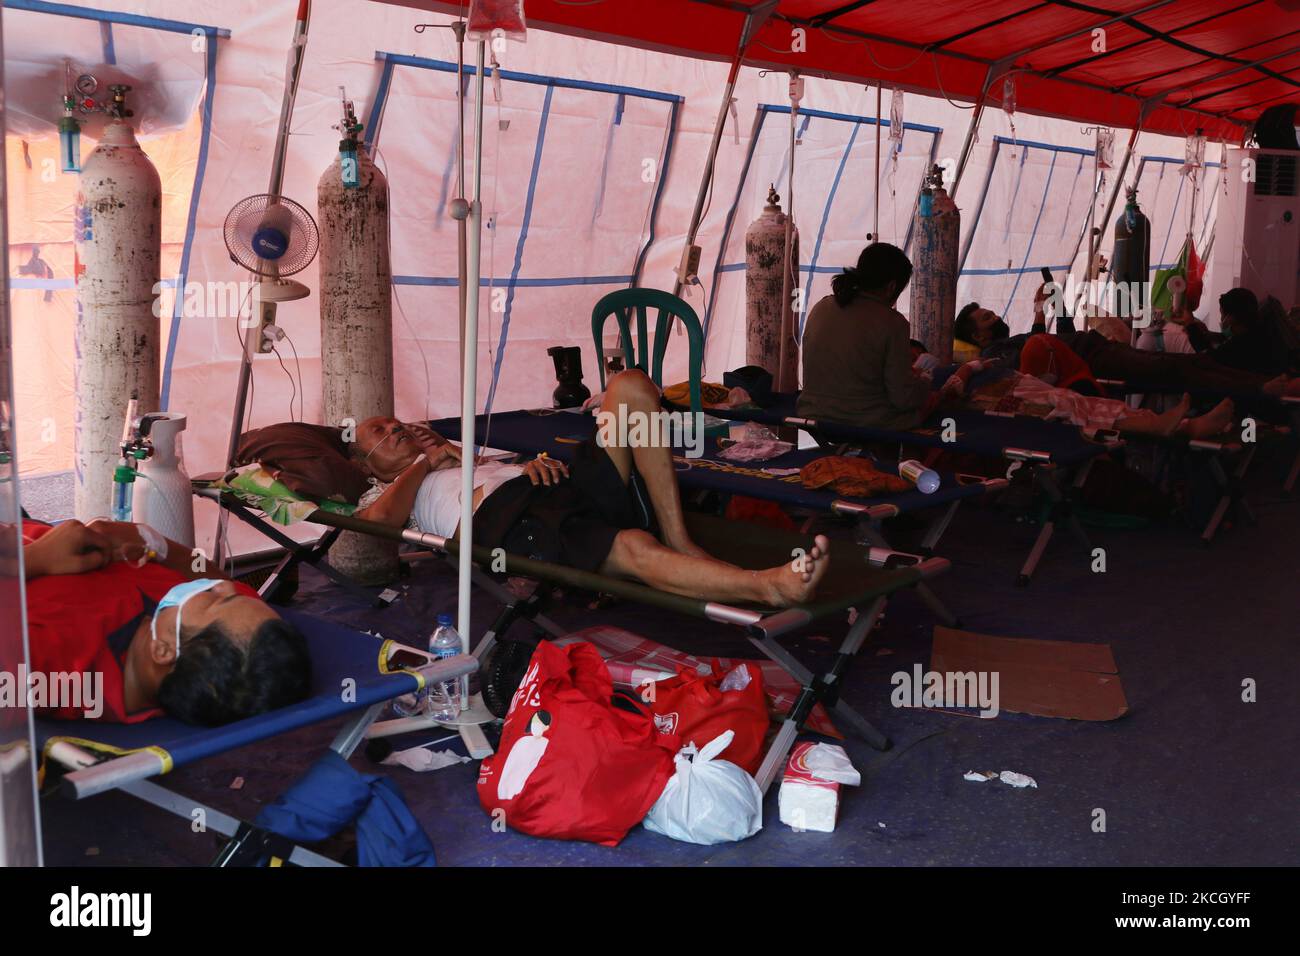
[296, 552]
[871, 533]
[1288, 486]
[937, 527]
[1059, 509]
[213, 819]
[1231, 492]
[824, 690]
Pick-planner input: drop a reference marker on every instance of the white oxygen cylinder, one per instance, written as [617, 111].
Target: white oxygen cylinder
[934, 264]
[117, 243]
[356, 328]
[769, 316]
[163, 498]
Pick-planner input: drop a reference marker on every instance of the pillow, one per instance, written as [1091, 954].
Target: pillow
[311, 460]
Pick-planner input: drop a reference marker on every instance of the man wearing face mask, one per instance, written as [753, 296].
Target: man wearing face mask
[118, 601]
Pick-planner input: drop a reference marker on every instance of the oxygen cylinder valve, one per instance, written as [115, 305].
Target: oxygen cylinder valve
[351, 129]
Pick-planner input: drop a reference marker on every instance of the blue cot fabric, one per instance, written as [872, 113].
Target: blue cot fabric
[559, 433]
[331, 795]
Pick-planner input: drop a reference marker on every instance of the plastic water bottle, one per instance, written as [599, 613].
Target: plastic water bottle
[925, 479]
[444, 697]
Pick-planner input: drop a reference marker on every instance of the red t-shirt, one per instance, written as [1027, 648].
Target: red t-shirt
[84, 623]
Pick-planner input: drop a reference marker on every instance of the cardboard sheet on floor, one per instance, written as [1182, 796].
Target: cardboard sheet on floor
[1044, 678]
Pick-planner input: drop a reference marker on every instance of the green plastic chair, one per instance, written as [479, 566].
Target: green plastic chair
[620, 305]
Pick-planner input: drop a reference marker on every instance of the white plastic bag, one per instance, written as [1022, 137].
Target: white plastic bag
[707, 801]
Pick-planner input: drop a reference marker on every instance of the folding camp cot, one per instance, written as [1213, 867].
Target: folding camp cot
[1049, 449]
[351, 675]
[859, 577]
[1229, 460]
[558, 433]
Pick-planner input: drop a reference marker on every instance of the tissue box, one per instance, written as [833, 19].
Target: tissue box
[807, 803]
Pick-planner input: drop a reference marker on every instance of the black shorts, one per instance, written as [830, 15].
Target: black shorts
[573, 522]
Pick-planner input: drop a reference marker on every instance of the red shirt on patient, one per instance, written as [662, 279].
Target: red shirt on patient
[84, 623]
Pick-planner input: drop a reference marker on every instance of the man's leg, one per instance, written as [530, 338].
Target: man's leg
[630, 396]
[639, 555]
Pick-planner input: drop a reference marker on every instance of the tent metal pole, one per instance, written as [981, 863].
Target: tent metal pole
[876, 196]
[469, 372]
[458, 28]
[753, 19]
[973, 127]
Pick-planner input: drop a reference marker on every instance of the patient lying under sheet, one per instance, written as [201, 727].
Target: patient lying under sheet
[123, 640]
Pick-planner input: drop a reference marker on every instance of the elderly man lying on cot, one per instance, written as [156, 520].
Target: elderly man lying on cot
[115, 612]
[618, 509]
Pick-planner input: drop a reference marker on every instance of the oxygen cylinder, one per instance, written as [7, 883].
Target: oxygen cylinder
[767, 315]
[1131, 257]
[356, 327]
[117, 244]
[934, 274]
[163, 497]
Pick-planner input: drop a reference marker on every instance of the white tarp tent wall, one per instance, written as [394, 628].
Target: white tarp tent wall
[592, 158]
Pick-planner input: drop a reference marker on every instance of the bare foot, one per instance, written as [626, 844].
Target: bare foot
[1214, 422]
[1169, 421]
[1277, 387]
[796, 582]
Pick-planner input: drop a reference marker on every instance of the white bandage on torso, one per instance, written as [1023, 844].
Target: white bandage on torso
[437, 503]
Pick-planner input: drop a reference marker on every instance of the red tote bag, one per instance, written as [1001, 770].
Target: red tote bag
[695, 708]
[570, 765]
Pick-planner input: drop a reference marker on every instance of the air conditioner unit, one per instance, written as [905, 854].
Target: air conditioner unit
[1257, 229]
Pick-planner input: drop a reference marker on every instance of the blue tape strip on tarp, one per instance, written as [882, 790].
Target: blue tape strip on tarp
[1015, 195]
[730, 221]
[781, 176]
[848, 118]
[519, 246]
[821, 229]
[110, 16]
[338, 655]
[381, 100]
[1074, 184]
[661, 180]
[443, 66]
[106, 41]
[1047, 186]
[205, 141]
[1173, 216]
[1035, 144]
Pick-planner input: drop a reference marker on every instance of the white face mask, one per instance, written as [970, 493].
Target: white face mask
[176, 598]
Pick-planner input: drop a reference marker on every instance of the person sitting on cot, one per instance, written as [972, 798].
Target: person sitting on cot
[119, 603]
[616, 510]
[857, 360]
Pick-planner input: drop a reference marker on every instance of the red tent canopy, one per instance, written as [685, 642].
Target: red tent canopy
[1209, 64]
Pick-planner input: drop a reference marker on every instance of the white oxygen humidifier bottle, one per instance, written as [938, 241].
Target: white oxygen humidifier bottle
[163, 499]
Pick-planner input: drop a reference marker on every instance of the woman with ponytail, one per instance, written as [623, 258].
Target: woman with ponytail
[857, 362]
